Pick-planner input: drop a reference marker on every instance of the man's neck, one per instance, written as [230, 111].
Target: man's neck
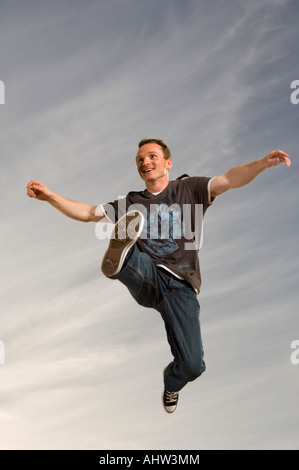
[157, 186]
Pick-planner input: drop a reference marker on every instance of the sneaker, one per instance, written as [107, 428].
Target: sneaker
[170, 400]
[125, 234]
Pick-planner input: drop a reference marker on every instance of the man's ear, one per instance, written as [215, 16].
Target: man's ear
[169, 163]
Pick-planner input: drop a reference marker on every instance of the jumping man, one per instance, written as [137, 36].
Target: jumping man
[154, 246]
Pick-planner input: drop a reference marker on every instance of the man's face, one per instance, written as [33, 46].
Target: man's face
[151, 164]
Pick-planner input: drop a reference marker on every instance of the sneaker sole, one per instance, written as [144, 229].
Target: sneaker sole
[125, 234]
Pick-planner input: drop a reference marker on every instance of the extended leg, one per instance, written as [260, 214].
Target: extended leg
[180, 311]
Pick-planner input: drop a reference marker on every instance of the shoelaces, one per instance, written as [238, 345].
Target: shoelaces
[171, 397]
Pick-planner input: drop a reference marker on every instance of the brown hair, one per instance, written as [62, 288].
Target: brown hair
[166, 150]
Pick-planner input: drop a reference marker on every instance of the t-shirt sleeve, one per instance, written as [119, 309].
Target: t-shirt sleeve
[200, 186]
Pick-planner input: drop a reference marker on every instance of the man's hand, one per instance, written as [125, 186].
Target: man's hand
[74, 209]
[38, 190]
[276, 157]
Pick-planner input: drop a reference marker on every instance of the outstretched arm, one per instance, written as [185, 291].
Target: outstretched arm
[244, 174]
[74, 209]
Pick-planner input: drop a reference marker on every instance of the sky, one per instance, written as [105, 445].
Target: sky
[84, 82]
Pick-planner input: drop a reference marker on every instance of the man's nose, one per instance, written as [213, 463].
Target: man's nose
[146, 161]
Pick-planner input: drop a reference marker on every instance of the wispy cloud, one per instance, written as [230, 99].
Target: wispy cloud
[83, 85]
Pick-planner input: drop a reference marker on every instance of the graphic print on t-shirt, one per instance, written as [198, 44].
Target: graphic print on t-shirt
[163, 226]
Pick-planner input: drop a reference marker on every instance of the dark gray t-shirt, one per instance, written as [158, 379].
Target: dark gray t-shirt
[173, 224]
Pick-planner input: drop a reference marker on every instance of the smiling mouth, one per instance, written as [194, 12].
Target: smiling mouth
[148, 170]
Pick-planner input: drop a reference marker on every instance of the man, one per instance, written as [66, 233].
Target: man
[154, 247]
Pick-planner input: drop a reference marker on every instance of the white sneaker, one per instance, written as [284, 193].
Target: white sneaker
[125, 234]
[170, 400]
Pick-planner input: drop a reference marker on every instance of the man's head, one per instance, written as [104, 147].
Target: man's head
[166, 150]
[153, 161]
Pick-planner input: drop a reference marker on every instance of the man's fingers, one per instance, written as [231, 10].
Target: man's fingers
[34, 183]
[37, 190]
[32, 186]
[284, 157]
[278, 156]
[30, 193]
[283, 154]
[287, 161]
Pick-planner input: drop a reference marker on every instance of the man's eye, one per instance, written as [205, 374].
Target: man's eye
[153, 156]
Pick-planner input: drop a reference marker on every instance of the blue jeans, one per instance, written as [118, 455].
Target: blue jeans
[178, 305]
